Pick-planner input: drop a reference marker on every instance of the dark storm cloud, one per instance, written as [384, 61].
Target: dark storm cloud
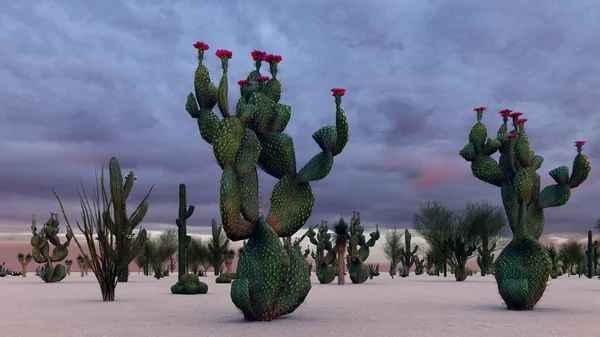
[82, 82]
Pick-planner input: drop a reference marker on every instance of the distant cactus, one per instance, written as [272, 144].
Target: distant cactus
[373, 270]
[407, 256]
[324, 254]
[554, 261]
[224, 278]
[189, 284]
[229, 256]
[185, 212]
[3, 270]
[69, 264]
[217, 247]
[341, 237]
[356, 257]
[419, 266]
[41, 248]
[591, 249]
[83, 262]
[462, 252]
[486, 256]
[24, 261]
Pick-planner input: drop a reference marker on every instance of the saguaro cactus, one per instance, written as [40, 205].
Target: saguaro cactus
[486, 255]
[591, 248]
[324, 255]
[185, 212]
[272, 279]
[553, 261]
[521, 269]
[356, 257]
[24, 261]
[407, 256]
[41, 248]
[217, 248]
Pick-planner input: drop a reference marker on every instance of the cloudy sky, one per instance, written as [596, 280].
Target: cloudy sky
[82, 81]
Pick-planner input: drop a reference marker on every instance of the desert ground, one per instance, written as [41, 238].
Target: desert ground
[414, 306]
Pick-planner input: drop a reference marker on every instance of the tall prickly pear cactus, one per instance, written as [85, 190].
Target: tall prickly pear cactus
[356, 257]
[486, 255]
[591, 247]
[407, 256]
[41, 248]
[185, 212]
[553, 261]
[218, 247]
[324, 255]
[521, 269]
[272, 278]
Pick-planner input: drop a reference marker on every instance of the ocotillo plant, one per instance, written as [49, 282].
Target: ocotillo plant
[486, 255]
[553, 261]
[324, 254]
[373, 270]
[24, 261]
[591, 245]
[253, 136]
[521, 269]
[419, 266]
[217, 247]
[185, 212]
[41, 248]
[356, 257]
[407, 256]
[105, 221]
[69, 264]
[462, 252]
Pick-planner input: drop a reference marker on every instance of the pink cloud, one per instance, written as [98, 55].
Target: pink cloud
[436, 176]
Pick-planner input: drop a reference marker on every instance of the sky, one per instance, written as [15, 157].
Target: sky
[82, 81]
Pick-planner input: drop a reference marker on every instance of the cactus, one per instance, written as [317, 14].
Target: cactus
[591, 249]
[41, 248]
[419, 266]
[185, 212]
[69, 264]
[407, 256]
[229, 256]
[3, 270]
[553, 261]
[83, 262]
[217, 248]
[462, 252]
[521, 269]
[189, 284]
[486, 255]
[356, 257]
[324, 255]
[24, 261]
[272, 279]
[373, 270]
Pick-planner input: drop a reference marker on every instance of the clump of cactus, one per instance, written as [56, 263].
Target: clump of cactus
[419, 266]
[486, 255]
[217, 248]
[373, 270]
[69, 264]
[24, 260]
[462, 251]
[224, 278]
[356, 257]
[189, 284]
[324, 255]
[553, 261]
[521, 269]
[407, 256]
[185, 212]
[592, 247]
[41, 241]
[272, 276]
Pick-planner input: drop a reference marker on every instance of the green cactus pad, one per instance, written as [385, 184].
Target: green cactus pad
[248, 188]
[263, 114]
[326, 274]
[477, 136]
[291, 206]
[491, 146]
[228, 141]
[297, 283]
[581, 170]
[468, 152]
[189, 284]
[278, 157]
[245, 112]
[222, 102]
[273, 89]
[191, 106]
[249, 152]
[283, 113]
[208, 124]
[487, 169]
[206, 92]
[524, 181]
[522, 152]
[235, 227]
[326, 137]
[341, 125]
[560, 174]
[317, 168]
[555, 195]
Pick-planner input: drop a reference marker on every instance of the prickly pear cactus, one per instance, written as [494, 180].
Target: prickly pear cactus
[272, 278]
[373, 270]
[407, 256]
[324, 255]
[41, 241]
[521, 269]
[356, 257]
[462, 252]
[419, 266]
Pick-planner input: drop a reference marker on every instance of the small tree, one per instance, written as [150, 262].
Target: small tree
[435, 224]
[341, 237]
[197, 254]
[162, 249]
[392, 249]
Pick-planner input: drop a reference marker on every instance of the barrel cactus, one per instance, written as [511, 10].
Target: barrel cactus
[521, 269]
[272, 278]
[41, 241]
[189, 284]
[356, 257]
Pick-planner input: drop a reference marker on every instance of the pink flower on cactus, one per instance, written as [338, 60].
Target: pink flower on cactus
[224, 52]
[338, 91]
[200, 44]
[580, 143]
[504, 112]
[243, 82]
[262, 78]
[515, 114]
[521, 120]
[512, 135]
[271, 57]
[258, 55]
[481, 108]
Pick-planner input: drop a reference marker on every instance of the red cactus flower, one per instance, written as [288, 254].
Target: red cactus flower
[504, 112]
[580, 143]
[262, 78]
[481, 108]
[521, 120]
[341, 92]
[512, 135]
[515, 114]
[243, 82]
[258, 55]
[200, 44]
[224, 52]
[271, 57]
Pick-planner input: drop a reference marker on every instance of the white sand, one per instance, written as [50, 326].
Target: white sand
[415, 306]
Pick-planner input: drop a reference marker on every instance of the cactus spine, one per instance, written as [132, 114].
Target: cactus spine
[24, 261]
[324, 255]
[41, 248]
[591, 248]
[356, 257]
[521, 269]
[272, 279]
[217, 248]
[185, 212]
[407, 256]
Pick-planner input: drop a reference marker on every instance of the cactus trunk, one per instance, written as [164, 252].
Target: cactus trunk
[341, 264]
[184, 240]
